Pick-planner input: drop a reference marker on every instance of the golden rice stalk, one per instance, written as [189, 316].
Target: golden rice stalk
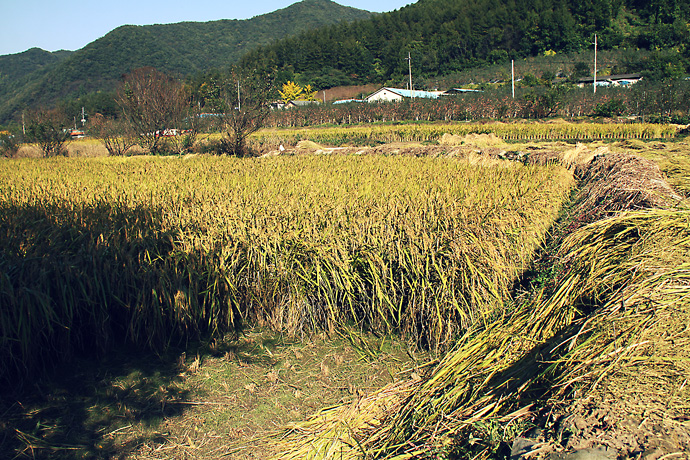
[150, 249]
[551, 344]
[335, 432]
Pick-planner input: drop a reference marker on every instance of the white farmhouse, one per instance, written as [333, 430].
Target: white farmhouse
[396, 94]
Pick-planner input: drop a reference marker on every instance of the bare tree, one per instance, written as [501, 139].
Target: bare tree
[153, 104]
[242, 107]
[191, 125]
[49, 128]
[117, 136]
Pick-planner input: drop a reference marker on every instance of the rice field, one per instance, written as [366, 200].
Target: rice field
[432, 132]
[611, 320]
[269, 139]
[160, 251]
[155, 251]
[629, 273]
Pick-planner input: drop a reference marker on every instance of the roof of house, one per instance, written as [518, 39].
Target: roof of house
[626, 76]
[345, 101]
[302, 102]
[463, 90]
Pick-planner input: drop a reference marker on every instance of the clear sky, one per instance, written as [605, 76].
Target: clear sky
[71, 25]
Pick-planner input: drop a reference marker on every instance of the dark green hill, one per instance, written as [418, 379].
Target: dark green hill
[16, 66]
[21, 72]
[39, 77]
[445, 36]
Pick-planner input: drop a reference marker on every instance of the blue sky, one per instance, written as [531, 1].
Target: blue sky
[54, 25]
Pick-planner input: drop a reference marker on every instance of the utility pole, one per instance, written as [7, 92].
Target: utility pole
[512, 76]
[595, 63]
[409, 62]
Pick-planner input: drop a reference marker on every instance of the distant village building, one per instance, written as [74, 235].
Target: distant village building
[395, 94]
[292, 104]
[301, 103]
[453, 91]
[386, 94]
[346, 101]
[611, 80]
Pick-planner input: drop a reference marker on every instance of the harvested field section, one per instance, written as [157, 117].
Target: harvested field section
[557, 373]
[673, 159]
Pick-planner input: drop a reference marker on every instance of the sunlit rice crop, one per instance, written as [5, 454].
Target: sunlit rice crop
[384, 133]
[627, 279]
[152, 250]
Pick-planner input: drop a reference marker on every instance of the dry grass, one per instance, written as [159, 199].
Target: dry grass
[85, 148]
[620, 182]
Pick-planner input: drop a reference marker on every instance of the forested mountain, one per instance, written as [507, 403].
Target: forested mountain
[444, 36]
[22, 70]
[40, 77]
[16, 66]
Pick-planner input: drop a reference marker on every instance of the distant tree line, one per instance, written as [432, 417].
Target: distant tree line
[445, 36]
[151, 105]
[660, 102]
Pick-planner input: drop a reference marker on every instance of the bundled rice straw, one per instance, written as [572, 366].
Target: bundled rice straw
[619, 182]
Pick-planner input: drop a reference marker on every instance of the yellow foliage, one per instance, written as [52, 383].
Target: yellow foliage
[291, 91]
[309, 93]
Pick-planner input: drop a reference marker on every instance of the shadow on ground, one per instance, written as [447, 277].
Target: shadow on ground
[79, 410]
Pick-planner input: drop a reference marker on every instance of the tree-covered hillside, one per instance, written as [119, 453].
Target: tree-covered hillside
[19, 74]
[444, 36]
[16, 66]
[177, 49]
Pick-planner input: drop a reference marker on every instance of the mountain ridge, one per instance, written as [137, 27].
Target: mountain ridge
[37, 76]
[446, 36]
